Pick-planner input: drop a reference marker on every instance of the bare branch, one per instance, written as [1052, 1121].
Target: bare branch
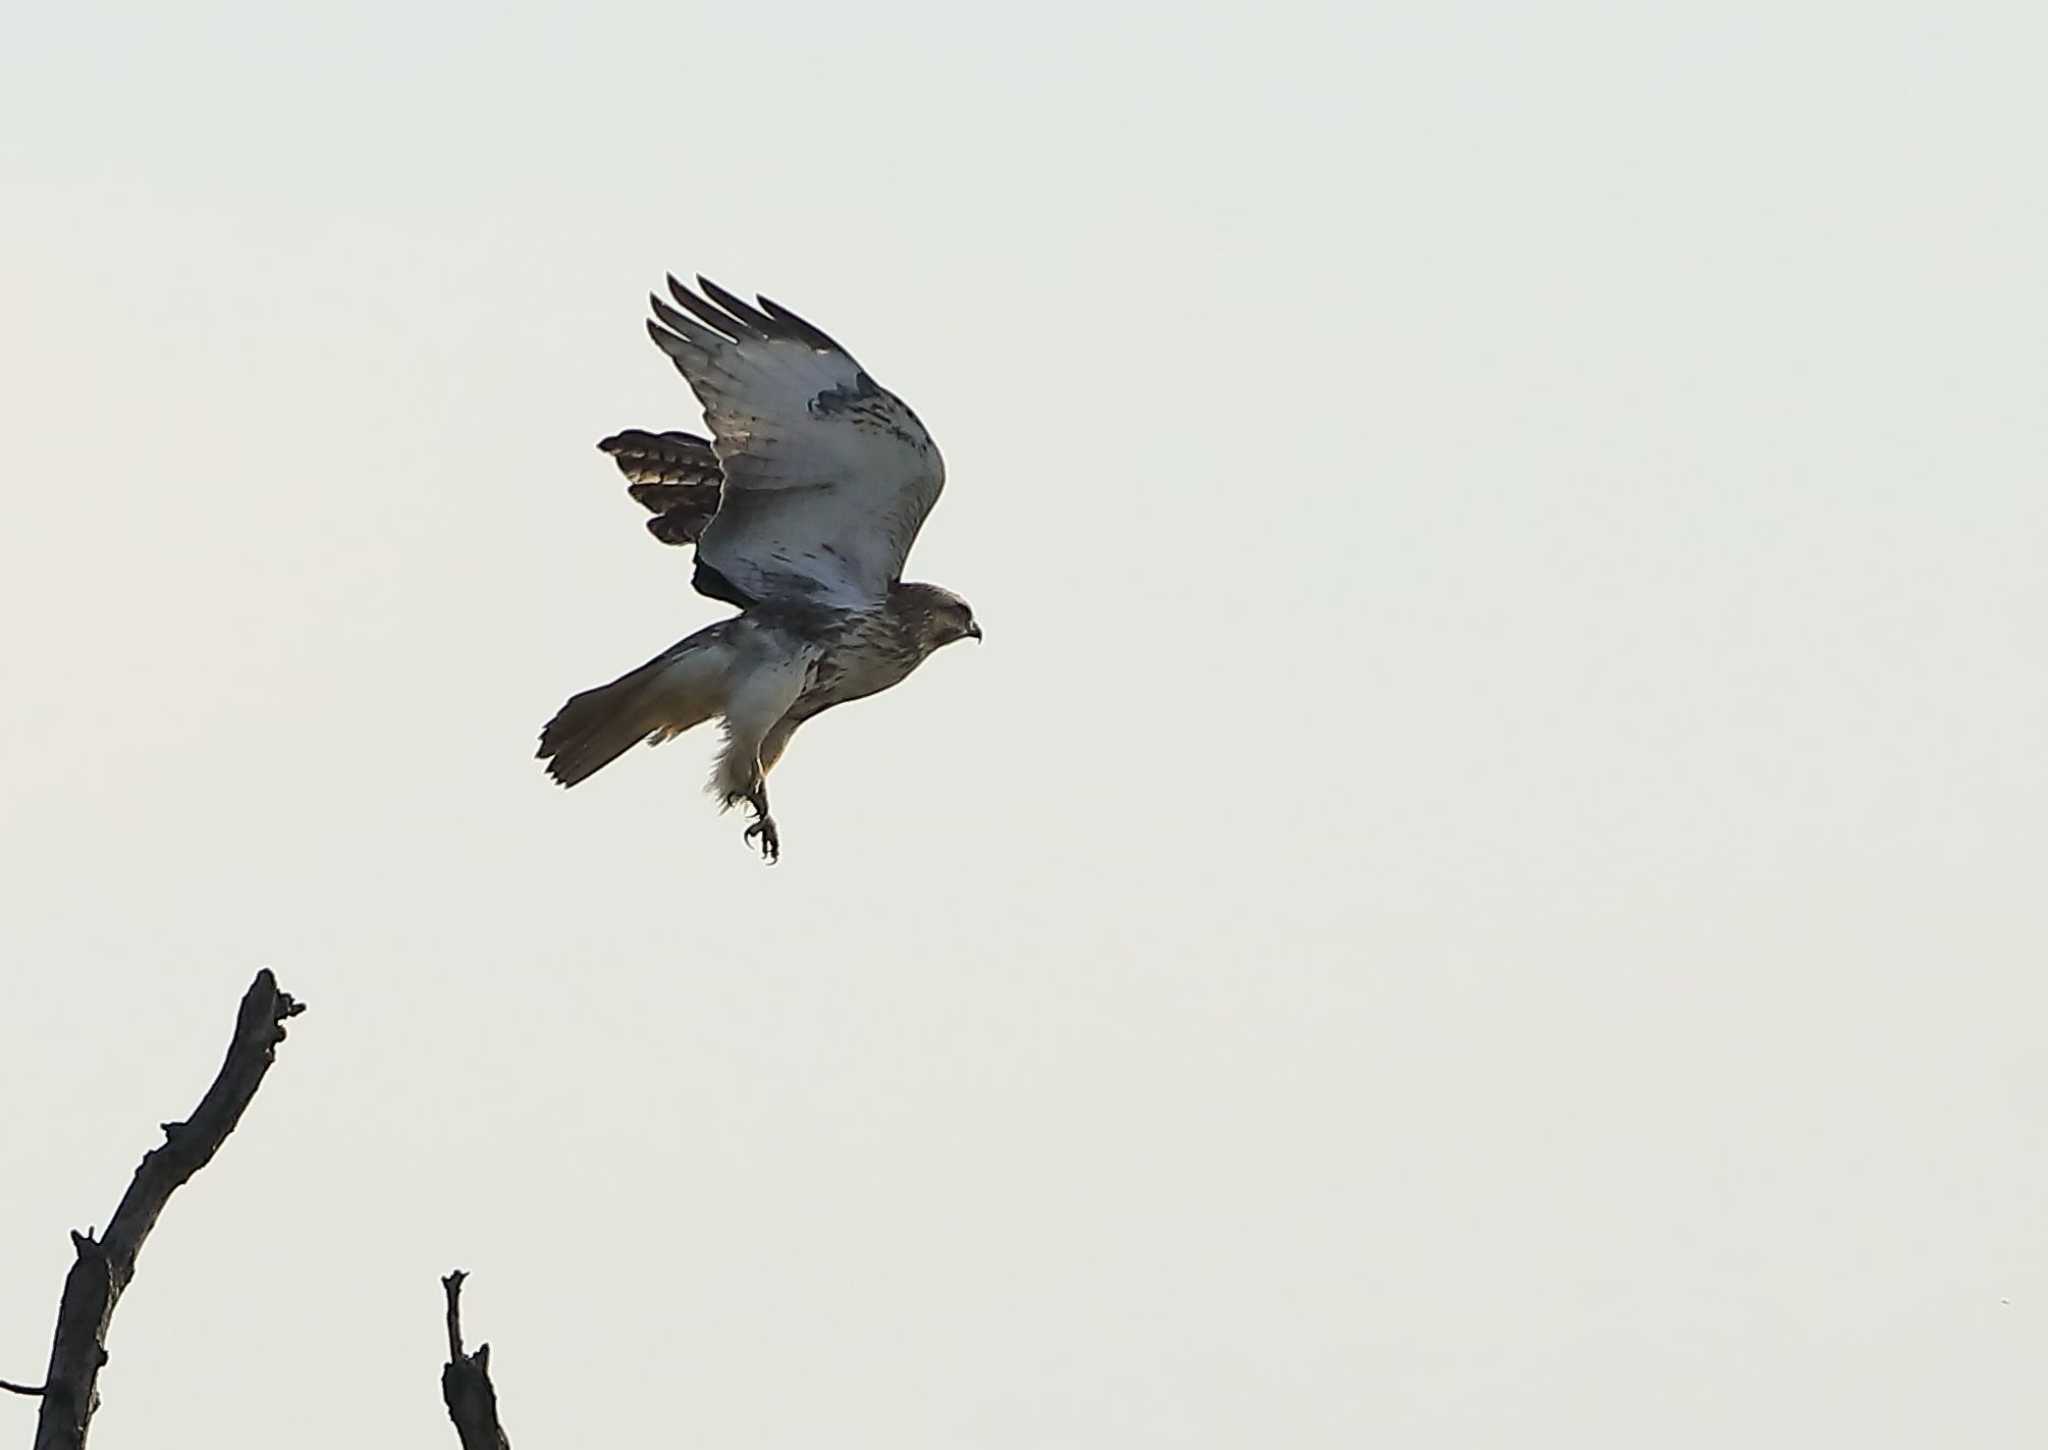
[105, 1265]
[15, 1389]
[466, 1381]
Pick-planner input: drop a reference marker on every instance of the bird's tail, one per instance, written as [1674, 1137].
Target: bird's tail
[684, 686]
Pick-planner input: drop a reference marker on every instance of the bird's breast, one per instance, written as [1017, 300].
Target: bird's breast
[867, 656]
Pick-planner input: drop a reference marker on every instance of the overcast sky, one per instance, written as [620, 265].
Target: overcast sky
[1484, 889]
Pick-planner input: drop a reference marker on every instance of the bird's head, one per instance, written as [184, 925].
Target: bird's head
[936, 616]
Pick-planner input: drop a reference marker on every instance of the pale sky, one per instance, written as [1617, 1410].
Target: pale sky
[1484, 888]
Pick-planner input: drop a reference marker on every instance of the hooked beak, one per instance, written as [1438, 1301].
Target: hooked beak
[974, 633]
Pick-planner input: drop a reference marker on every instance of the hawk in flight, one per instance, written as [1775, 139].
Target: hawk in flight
[802, 507]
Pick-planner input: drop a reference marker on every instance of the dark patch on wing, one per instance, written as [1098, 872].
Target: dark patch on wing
[714, 585]
[865, 403]
[844, 398]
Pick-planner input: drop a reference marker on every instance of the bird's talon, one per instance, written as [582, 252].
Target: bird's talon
[764, 831]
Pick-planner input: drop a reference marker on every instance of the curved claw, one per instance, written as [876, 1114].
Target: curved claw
[770, 839]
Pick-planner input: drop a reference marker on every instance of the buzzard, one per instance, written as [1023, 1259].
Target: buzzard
[802, 506]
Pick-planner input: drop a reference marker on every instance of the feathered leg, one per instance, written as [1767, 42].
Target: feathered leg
[766, 687]
[772, 746]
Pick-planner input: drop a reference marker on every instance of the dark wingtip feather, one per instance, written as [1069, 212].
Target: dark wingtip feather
[677, 331]
[667, 341]
[696, 306]
[757, 321]
[811, 334]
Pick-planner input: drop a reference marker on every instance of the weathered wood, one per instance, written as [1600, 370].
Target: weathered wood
[466, 1381]
[104, 1266]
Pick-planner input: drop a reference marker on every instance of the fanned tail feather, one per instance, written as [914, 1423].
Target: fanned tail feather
[680, 688]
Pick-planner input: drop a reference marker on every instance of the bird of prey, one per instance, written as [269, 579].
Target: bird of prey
[802, 506]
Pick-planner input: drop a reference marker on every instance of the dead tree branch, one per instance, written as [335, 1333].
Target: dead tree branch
[466, 1381]
[105, 1265]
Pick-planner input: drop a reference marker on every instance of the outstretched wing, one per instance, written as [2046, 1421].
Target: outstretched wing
[828, 476]
[674, 476]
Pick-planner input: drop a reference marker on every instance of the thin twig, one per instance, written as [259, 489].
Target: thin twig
[103, 1266]
[466, 1381]
[15, 1389]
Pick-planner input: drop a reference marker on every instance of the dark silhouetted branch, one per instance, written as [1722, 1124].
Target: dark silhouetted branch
[104, 1265]
[466, 1381]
